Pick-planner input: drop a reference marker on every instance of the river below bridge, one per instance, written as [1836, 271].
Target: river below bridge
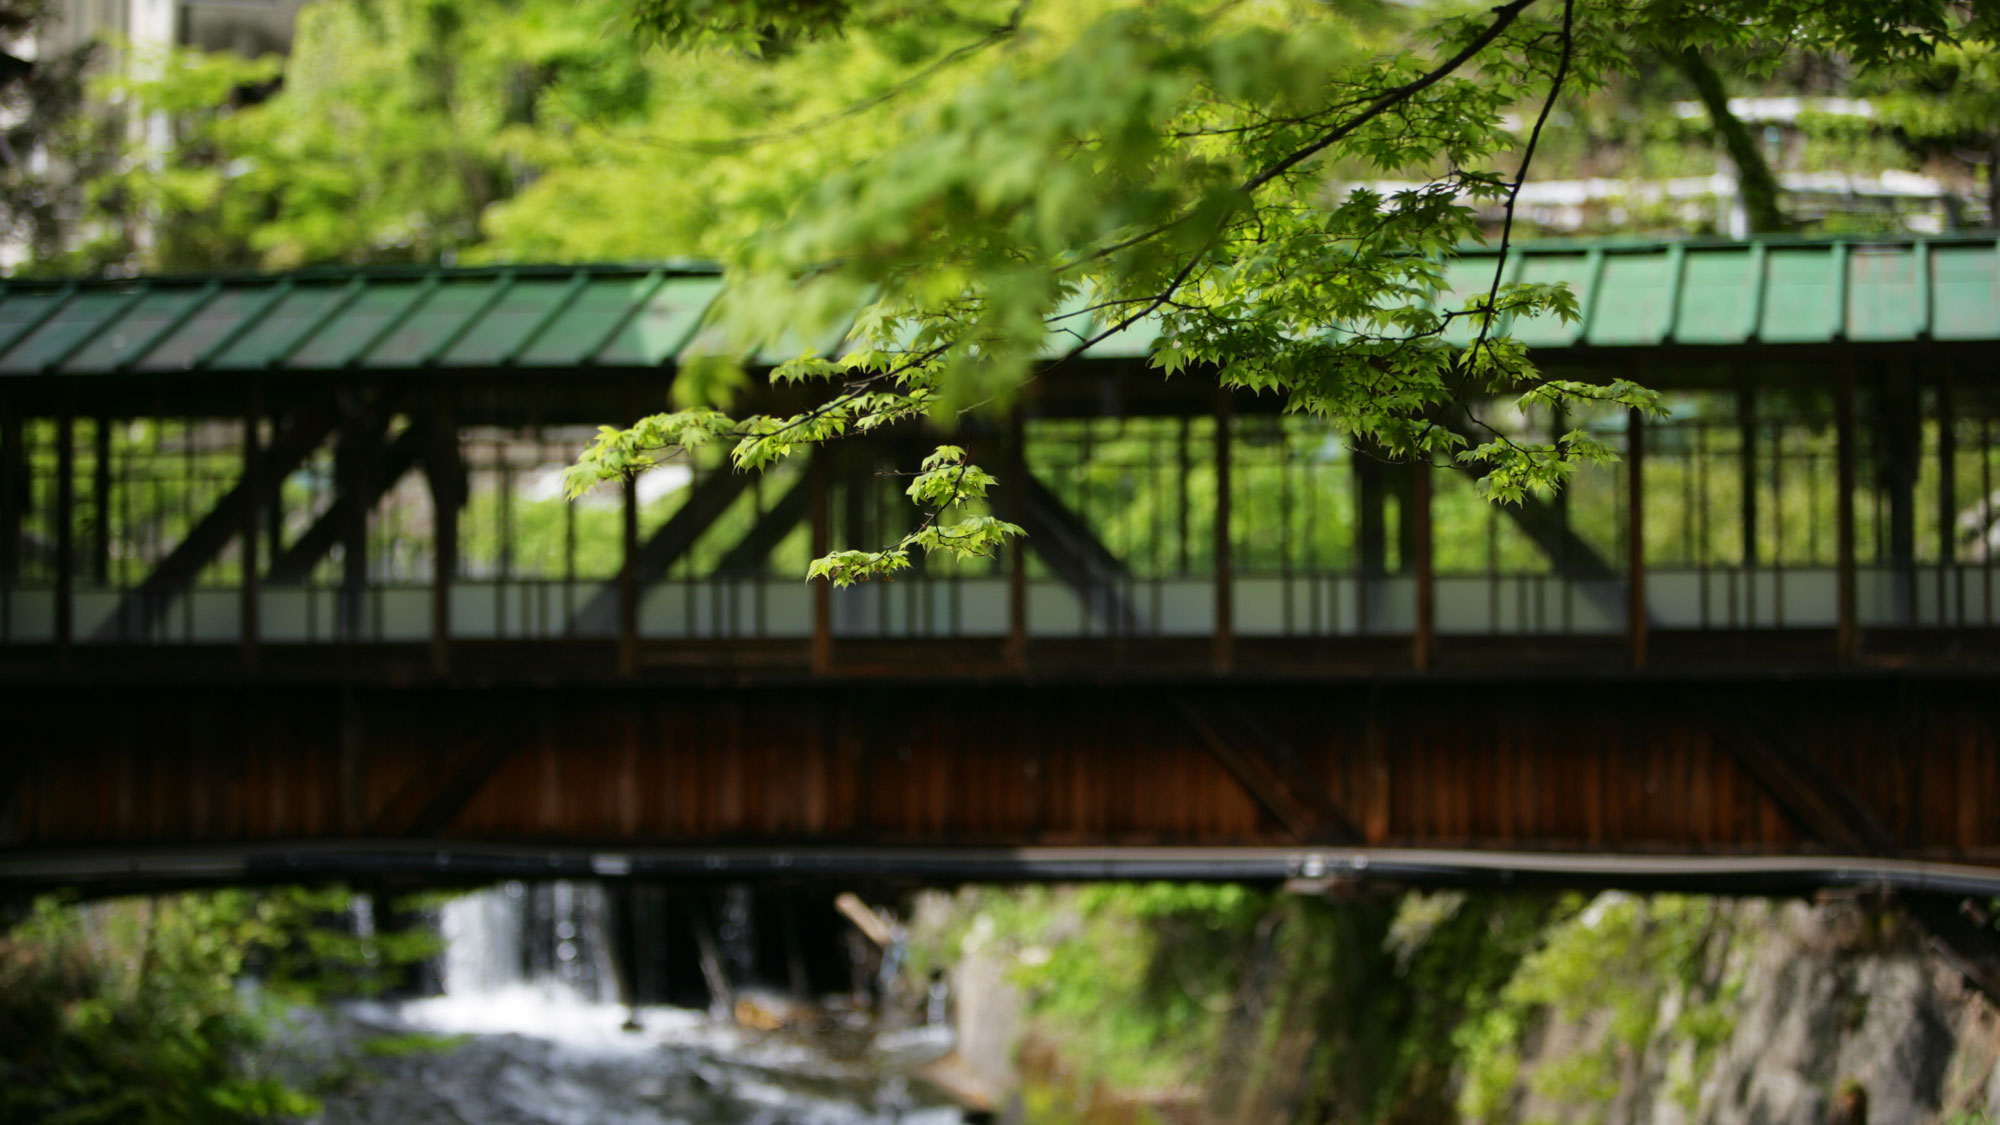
[514, 1042]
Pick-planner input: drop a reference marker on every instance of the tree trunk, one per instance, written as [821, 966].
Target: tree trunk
[1753, 176]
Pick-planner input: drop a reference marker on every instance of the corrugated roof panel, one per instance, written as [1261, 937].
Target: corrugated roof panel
[1635, 299]
[1548, 329]
[582, 328]
[278, 331]
[505, 327]
[206, 328]
[1802, 296]
[432, 323]
[1965, 292]
[154, 313]
[660, 329]
[20, 312]
[1885, 299]
[1719, 295]
[357, 324]
[1463, 279]
[87, 314]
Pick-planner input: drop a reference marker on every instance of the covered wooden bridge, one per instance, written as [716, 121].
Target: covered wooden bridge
[287, 584]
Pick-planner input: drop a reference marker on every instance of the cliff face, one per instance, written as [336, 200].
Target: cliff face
[1691, 1011]
[1615, 1009]
[1835, 1007]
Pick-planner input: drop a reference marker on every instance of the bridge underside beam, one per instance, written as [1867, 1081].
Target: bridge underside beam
[1449, 764]
[1270, 772]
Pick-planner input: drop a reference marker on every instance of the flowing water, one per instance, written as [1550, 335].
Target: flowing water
[530, 1029]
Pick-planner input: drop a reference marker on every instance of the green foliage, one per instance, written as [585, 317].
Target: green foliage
[135, 1011]
[1610, 962]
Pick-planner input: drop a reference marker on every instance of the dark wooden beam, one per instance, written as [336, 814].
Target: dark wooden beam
[144, 605]
[649, 561]
[402, 453]
[1269, 772]
[628, 576]
[1847, 639]
[1746, 464]
[65, 514]
[1073, 551]
[14, 492]
[1817, 805]
[820, 473]
[444, 471]
[100, 502]
[1898, 446]
[1015, 491]
[357, 473]
[456, 771]
[1423, 639]
[1635, 535]
[248, 625]
[751, 552]
[1947, 511]
[1222, 655]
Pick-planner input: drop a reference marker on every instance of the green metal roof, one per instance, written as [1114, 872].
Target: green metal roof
[1779, 291]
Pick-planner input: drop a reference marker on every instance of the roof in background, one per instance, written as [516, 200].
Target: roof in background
[1632, 294]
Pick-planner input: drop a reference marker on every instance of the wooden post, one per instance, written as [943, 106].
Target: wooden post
[13, 491]
[65, 531]
[247, 622]
[100, 503]
[1224, 653]
[1635, 534]
[352, 467]
[1947, 499]
[1846, 638]
[628, 580]
[447, 483]
[1746, 486]
[1423, 639]
[1016, 485]
[822, 542]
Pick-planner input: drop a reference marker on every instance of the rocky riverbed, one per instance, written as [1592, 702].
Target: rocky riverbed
[531, 1055]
